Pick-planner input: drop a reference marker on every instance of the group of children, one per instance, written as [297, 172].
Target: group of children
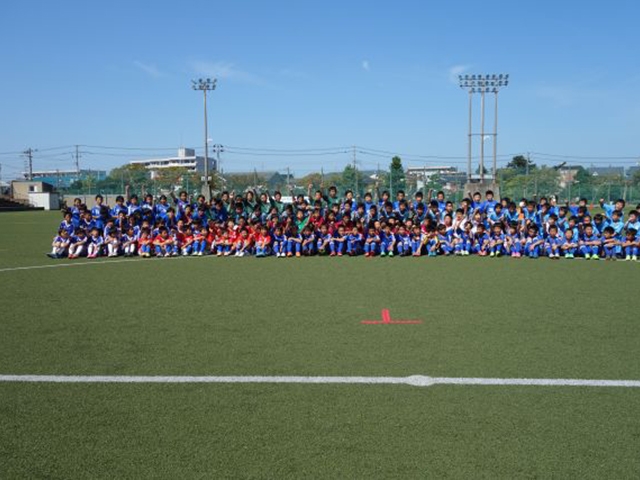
[325, 224]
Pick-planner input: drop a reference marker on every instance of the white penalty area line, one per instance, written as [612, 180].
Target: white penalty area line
[413, 380]
[99, 262]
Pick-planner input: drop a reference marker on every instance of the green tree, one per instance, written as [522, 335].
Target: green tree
[519, 163]
[352, 179]
[397, 176]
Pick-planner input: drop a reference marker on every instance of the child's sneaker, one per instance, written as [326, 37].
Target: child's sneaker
[382, 254]
[587, 256]
[391, 254]
[492, 254]
[595, 256]
[297, 254]
[627, 258]
[634, 258]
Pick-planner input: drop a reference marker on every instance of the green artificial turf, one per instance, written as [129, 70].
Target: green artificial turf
[227, 316]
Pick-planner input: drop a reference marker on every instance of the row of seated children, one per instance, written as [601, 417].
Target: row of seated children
[376, 239]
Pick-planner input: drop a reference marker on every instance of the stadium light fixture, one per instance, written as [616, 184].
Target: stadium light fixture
[205, 85]
[482, 84]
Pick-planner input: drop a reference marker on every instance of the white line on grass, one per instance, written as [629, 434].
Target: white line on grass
[99, 262]
[414, 380]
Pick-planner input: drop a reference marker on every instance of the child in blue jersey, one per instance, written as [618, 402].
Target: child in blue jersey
[610, 208]
[444, 243]
[462, 240]
[403, 241]
[513, 241]
[553, 243]
[497, 241]
[279, 242]
[534, 242]
[589, 245]
[95, 244]
[372, 242]
[67, 223]
[118, 207]
[633, 221]
[60, 244]
[609, 243]
[78, 245]
[481, 241]
[569, 246]
[99, 212]
[323, 243]
[630, 245]
[129, 242]
[417, 241]
[87, 223]
[112, 241]
[354, 242]
[294, 242]
[308, 241]
[338, 242]
[598, 224]
[387, 241]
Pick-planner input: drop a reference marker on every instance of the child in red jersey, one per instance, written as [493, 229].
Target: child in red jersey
[263, 242]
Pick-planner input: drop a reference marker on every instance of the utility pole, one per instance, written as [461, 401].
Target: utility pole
[77, 161]
[355, 171]
[526, 176]
[482, 135]
[29, 154]
[205, 85]
[218, 149]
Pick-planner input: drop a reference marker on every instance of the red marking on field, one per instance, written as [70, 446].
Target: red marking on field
[386, 320]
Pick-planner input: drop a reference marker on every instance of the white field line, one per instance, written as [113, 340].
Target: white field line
[414, 380]
[98, 262]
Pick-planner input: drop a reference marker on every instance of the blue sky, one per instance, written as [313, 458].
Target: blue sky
[299, 75]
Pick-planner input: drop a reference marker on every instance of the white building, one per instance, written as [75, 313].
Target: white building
[186, 158]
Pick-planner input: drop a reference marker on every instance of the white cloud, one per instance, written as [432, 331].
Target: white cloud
[149, 69]
[365, 65]
[225, 71]
[455, 71]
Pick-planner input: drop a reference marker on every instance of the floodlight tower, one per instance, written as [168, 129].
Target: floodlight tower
[205, 85]
[483, 84]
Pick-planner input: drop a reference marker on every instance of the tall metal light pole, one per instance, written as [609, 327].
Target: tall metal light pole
[205, 85]
[483, 84]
